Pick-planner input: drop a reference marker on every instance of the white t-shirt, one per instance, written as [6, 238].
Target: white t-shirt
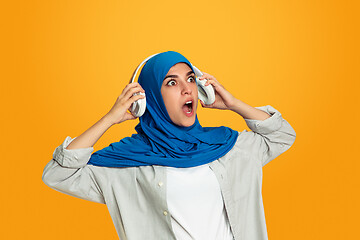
[196, 205]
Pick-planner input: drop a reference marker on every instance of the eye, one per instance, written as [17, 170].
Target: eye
[191, 79]
[171, 83]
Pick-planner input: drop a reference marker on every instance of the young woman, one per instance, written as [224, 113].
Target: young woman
[175, 179]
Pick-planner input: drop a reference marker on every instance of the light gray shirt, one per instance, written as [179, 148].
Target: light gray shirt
[136, 196]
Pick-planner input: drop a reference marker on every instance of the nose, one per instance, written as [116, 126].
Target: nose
[186, 88]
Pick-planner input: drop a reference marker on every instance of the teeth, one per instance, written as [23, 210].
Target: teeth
[190, 106]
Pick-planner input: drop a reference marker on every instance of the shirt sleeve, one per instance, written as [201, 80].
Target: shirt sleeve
[269, 138]
[69, 173]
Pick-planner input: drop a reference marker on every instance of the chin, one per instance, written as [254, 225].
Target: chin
[186, 123]
[180, 119]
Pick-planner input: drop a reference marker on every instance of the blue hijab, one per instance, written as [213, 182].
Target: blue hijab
[158, 140]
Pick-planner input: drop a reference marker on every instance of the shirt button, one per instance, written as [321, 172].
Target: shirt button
[165, 213]
[160, 184]
[76, 157]
[257, 124]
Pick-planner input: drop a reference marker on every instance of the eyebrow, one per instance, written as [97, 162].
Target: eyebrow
[176, 76]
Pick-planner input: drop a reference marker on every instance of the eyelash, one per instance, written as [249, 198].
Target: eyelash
[172, 80]
[168, 83]
[193, 78]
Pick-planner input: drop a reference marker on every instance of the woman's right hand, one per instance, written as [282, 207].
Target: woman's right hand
[119, 112]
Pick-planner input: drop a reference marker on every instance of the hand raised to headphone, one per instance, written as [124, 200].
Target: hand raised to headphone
[119, 112]
[223, 98]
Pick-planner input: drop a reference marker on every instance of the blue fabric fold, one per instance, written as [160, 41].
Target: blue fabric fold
[158, 140]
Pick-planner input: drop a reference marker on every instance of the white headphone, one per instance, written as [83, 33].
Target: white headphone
[205, 93]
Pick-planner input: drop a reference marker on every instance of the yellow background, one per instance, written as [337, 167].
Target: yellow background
[63, 64]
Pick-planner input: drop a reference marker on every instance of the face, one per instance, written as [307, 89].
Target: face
[180, 95]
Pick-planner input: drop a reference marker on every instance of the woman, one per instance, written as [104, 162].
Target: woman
[175, 179]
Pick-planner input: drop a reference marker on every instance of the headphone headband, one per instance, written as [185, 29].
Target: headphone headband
[142, 63]
[196, 70]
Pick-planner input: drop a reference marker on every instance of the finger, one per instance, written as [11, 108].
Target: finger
[129, 86]
[204, 77]
[207, 76]
[214, 83]
[129, 116]
[134, 85]
[132, 99]
[206, 106]
[132, 91]
[127, 100]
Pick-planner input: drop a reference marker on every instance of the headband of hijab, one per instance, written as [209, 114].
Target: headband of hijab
[158, 140]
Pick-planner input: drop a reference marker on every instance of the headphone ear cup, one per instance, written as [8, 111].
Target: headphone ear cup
[139, 106]
[205, 93]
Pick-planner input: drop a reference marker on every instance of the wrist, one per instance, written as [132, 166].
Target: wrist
[235, 105]
[107, 120]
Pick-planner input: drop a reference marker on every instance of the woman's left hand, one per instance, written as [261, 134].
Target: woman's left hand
[223, 99]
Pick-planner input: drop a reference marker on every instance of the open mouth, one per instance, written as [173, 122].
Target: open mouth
[188, 107]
